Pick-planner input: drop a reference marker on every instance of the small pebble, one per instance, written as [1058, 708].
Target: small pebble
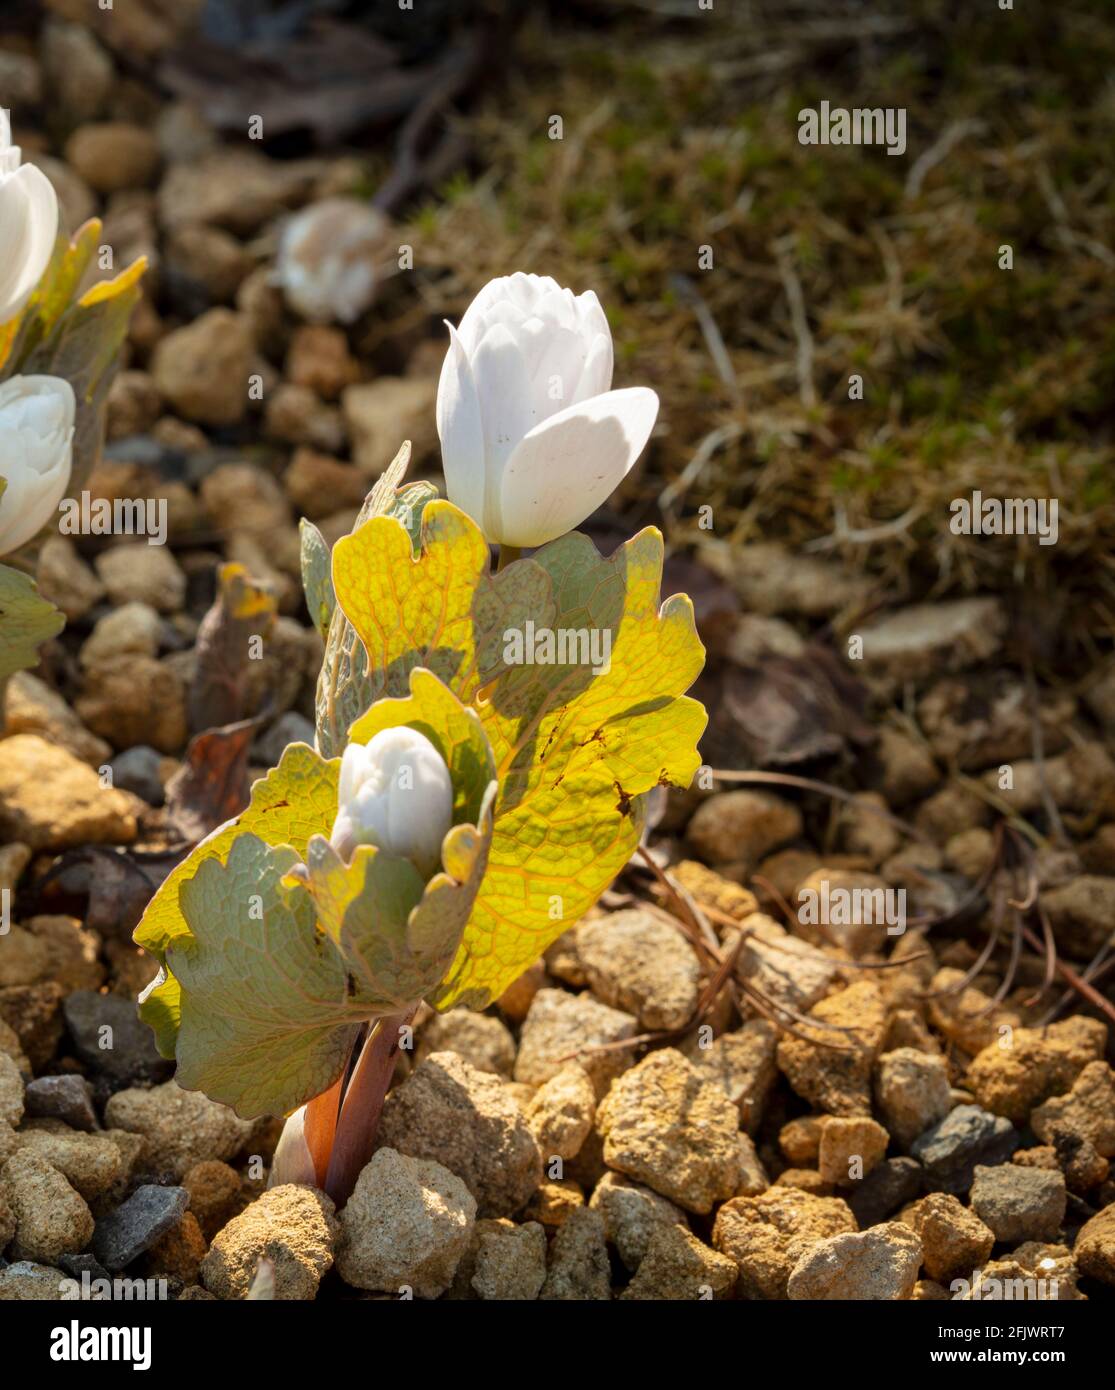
[950, 1150]
[64, 1098]
[137, 1224]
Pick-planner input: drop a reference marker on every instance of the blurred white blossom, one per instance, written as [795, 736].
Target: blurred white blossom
[329, 258]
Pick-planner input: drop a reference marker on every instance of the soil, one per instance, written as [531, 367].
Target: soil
[731, 1079]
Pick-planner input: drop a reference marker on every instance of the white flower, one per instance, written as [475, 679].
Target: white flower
[36, 453]
[28, 224]
[329, 259]
[394, 792]
[533, 439]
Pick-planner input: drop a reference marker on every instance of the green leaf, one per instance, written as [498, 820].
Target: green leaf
[27, 620]
[575, 750]
[294, 801]
[278, 950]
[266, 1016]
[344, 691]
[398, 935]
[317, 583]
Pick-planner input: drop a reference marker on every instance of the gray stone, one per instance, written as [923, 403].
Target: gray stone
[1019, 1203]
[149, 1213]
[891, 1185]
[632, 1213]
[451, 1113]
[950, 1150]
[408, 1224]
[132, 1055]
[291, 727]
[579, 1267]
[137, 770]
[77, 1265]
[61, 1098]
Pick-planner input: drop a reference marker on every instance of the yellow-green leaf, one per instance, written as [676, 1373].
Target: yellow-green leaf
[293, 802]
[282, 948]
[344, 690]
[266, 1015]
[576, 749]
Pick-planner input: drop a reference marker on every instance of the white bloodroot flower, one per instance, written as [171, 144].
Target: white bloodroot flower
[395, 793]
[36, 454]
[330, 257]
[28, 224]
[533, 438]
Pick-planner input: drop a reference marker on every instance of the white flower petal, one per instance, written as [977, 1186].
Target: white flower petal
[36, 454]
[461, 431]
[352, 767]
[558, 307]
[592, 317]
[526, 288]
[29, 216]
[403, 798]
[557, 374]
[596, 375]
[519, 290]
[506, 408]
[563, 470]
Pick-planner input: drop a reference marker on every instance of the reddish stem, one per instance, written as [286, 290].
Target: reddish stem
[363, 1103]
[320, 1125]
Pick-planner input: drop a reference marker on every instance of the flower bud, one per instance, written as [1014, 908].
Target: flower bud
[28, 224]
[36, 454]
[291, 1161]
[533, 439]
[394, 792]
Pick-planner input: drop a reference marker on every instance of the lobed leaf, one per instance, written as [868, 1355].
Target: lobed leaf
[273, 947]
[344, 690]
[287, 807]
[267, 1019]
[575, 749]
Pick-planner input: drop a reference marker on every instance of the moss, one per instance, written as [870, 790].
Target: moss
[684, 133]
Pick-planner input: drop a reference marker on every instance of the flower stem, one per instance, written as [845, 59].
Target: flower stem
[320, 1127]
[363, 1103]
[508, 554]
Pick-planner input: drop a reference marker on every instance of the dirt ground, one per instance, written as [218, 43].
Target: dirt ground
[726, 1080]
